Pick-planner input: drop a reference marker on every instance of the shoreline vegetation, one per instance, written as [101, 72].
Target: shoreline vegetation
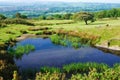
[100, 33]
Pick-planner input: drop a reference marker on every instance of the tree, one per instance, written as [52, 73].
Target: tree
[19, 15]
[66, 16]
[84, 16]
[57, 17]
[2, 17]
[113, 13]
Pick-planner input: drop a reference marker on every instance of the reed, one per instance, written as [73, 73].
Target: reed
[20, 50]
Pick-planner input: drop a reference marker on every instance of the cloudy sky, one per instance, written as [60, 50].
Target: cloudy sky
[103, 1]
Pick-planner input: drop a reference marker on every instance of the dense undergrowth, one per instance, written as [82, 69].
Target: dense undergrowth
[80, 71]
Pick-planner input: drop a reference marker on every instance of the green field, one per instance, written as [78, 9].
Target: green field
[98, 28]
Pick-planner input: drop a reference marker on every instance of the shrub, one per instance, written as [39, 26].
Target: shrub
[16, 21]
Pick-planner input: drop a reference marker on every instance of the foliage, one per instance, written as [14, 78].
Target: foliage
[15, 75]
[82, 71]
[19, 15]
[113, 13]
[75, 45]
[16, 21]
[84, 67]
[83, 16]
[108, 74]
[50, 76]
[7, 71]
[55, 39]
[20, 50]
[73, 41]
[2, 17]
[49, 69]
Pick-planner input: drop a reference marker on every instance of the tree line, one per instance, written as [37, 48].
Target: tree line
[85, 16]
[113, 13]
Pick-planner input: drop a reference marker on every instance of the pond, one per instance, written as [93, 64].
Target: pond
[48, 54]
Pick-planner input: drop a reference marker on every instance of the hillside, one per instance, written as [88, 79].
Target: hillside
[47, 8]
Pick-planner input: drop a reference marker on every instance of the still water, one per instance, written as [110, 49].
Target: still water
[48, 54]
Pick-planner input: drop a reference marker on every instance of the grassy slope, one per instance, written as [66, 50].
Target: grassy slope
[96, 28]
[14, 32]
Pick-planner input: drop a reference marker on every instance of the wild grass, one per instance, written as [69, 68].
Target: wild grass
[98, 28]
[51, 22]
[17, 21]
[20, 50]
[50, 69]
[115, 42]
[82, 71]
[84, 67]
[4, 37]
[71, 41]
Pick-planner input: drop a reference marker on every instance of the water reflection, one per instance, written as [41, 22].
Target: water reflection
[48, 54]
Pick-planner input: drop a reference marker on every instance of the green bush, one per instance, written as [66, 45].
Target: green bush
[16, 21]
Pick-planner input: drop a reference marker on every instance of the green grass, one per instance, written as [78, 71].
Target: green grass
[115, 42]
[4, 36]
[81, 71]
[20, 50]
[51, 22]
[98, 28]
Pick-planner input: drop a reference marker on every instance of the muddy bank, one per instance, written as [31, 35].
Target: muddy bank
[25, 36]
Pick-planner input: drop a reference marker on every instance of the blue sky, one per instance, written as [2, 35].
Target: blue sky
[103, 1]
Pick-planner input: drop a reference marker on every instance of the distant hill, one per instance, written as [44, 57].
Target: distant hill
[48, 8]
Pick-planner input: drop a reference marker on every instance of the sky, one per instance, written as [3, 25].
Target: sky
[102, 1]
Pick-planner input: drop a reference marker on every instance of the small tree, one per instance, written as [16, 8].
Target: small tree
[84, 16]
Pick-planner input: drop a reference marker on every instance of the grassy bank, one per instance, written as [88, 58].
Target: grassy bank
[106, 29]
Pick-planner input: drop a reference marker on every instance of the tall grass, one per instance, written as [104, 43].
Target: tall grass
[66, 40]
[84, 67]
[20, 50]
[50, 69]
[81, 71]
